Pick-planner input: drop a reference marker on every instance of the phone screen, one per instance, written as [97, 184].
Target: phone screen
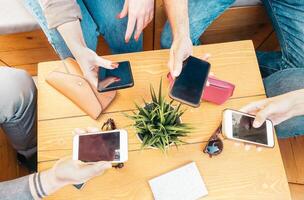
[188, 86]
[242, 129]
[99, 147]
[113, 79]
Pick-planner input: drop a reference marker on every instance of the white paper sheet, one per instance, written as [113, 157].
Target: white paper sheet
[184, 183]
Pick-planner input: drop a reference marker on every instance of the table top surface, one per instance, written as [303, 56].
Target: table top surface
[235, 174]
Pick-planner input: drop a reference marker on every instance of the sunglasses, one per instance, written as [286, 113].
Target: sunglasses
[215, 144]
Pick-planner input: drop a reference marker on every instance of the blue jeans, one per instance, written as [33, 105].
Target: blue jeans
[287, 17]
[98, 18]
[282, 71]
[201, 14]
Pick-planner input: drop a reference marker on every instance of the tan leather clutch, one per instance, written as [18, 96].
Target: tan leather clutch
[69, 81]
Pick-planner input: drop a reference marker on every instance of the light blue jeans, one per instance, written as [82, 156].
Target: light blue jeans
[98, 18]
[18, 109]
[282, 71]
[201, 14]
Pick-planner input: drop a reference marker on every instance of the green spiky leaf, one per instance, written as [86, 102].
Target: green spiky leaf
[157, 123]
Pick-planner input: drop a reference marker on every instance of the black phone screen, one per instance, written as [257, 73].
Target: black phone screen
[242, 129]
[99, 147]
[188, 86]
[114, 79]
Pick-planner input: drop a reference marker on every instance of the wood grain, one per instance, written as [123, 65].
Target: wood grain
[8, 166]
[234, 62]
[292, 155]
[231, 175]
[20, 41]
[57, 134]
[2, 63]
[22, 57]
[30, 68]
[288, 160]
[102, 47]
[298, 152]
[297, 191]
[148, 37]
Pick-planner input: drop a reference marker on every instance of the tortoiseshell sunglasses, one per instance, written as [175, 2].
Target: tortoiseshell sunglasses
[215, 144]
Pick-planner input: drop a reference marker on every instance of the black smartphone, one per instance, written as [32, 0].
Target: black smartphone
[189, 85]
[115, 79]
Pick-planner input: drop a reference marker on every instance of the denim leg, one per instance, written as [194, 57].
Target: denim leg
[201, 14]
[282, 82]
[269, 62]
[18, 109]
[288, 20]
[104, 13]
[89, 29]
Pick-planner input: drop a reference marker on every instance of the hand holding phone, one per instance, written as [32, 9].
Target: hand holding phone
[189, 85]
[239, 126]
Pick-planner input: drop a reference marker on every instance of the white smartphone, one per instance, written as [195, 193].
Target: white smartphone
[102, 146]
[238, 126]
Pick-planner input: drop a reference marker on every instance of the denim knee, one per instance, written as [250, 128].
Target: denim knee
[290, 128]
[284, 81]
[18, 91]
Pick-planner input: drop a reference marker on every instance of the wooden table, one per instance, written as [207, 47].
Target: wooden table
[235, 174]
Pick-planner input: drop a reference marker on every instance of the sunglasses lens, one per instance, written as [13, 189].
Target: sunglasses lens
[214, 147]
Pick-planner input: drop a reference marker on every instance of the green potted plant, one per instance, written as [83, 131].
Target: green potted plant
[158, 123]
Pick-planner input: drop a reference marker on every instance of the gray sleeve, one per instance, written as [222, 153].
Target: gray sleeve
[58, 12]
[16, 189]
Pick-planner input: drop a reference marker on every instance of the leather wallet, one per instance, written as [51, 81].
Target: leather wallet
[69, 81]
[217, 92]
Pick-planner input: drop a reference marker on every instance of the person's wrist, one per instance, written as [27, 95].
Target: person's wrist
[79, 51]
[82, 57]
[181, 36]
[51, 183]
[298, 102]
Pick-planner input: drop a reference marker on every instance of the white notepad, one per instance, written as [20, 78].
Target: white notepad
[184, 183]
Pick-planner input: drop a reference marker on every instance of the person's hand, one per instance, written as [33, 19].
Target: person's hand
[67, 171]
[180, 50]
[140, 13]
[277, 109]
[89, 62]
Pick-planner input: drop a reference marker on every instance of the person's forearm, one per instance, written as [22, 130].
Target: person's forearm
[43, 184]
[298, 102]
[60, 12]
[72, 34]
[17, 189]
[177, 13]
[65, 15]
